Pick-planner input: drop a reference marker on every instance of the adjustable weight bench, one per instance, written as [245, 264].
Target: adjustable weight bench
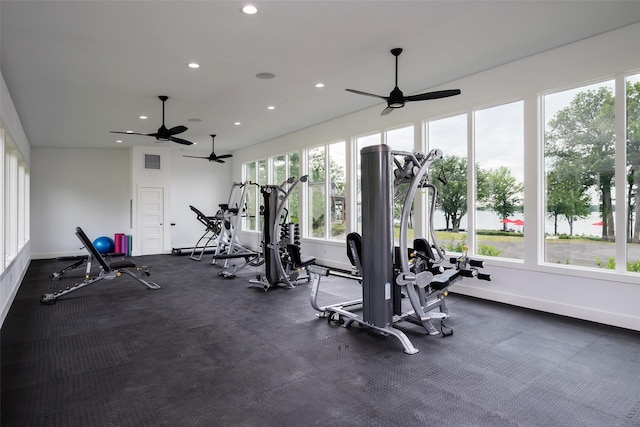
[107, 271]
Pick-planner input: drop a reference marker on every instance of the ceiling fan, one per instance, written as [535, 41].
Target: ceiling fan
[163, 134]
[213, 157]
[396, 98]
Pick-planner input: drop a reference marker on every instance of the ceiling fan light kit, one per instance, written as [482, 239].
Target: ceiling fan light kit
[396, 98]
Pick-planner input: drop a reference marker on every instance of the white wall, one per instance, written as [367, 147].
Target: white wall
[92, 188]
[594, 295]
[12, 275]
[200, 183]
[89, 188]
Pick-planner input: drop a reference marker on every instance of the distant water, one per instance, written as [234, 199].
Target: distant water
[487, 220]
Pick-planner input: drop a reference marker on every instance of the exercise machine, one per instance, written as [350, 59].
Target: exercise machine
[284, 265]
[227, 243]
[389, 273]
[220, 234]
[213, 226]
[107, 271]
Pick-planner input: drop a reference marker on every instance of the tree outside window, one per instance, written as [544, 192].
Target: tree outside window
[580, 176]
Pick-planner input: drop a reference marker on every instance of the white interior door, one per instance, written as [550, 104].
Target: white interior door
[151, 204]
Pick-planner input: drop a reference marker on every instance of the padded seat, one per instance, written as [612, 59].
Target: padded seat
[121, 264]
[446, 278]
[297, 260]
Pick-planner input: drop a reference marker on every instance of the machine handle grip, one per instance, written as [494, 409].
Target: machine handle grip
[468, 273]
[476, 263]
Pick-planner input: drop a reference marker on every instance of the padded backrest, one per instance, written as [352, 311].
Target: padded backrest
[197, 211]
[209, 223]
[92, 249]
[354, 250]
[422, 245]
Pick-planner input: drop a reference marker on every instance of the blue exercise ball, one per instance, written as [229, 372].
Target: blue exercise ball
[104, 245]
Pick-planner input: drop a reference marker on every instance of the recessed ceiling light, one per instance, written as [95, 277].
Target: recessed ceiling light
[318, 85]
[129, 131]
[271, 107]
[194, 120]
[249, 9]
[237, 123]
[119, 141]
[265, 75]
[143, 117]
[193, 65]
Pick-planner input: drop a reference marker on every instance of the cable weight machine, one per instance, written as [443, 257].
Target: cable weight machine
[283, 263]
[389, 272]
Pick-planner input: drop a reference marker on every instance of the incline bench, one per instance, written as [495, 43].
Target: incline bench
[107, 271]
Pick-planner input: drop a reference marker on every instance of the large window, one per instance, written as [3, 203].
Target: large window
[11, 204]
[499, 161]
[316, 159]
[15, 213]
[22, 204]
[279, 169]
[255, 172]
[282, 168]
[401, 139]
[293, 168]
[327, 201]
[261, 166]
[579, 160]
[449, 176]
[633, 171]
[337, 205]
[249, 222]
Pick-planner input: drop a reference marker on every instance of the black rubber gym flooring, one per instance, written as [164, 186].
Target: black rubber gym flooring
[207, 351]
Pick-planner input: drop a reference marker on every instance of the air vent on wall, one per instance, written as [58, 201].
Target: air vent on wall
[152, 161]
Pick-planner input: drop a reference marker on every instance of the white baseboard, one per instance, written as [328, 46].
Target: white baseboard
[583, 313]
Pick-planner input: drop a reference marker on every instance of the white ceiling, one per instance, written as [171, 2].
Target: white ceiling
[78, 69]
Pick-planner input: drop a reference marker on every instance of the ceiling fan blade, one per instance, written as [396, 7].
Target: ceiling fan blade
[367, 94]
[133, 133]
[219, 161]
[196, 157]
[386, 111]
[176, 130]
[180, 140]
[225, 156]
[433, 95]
